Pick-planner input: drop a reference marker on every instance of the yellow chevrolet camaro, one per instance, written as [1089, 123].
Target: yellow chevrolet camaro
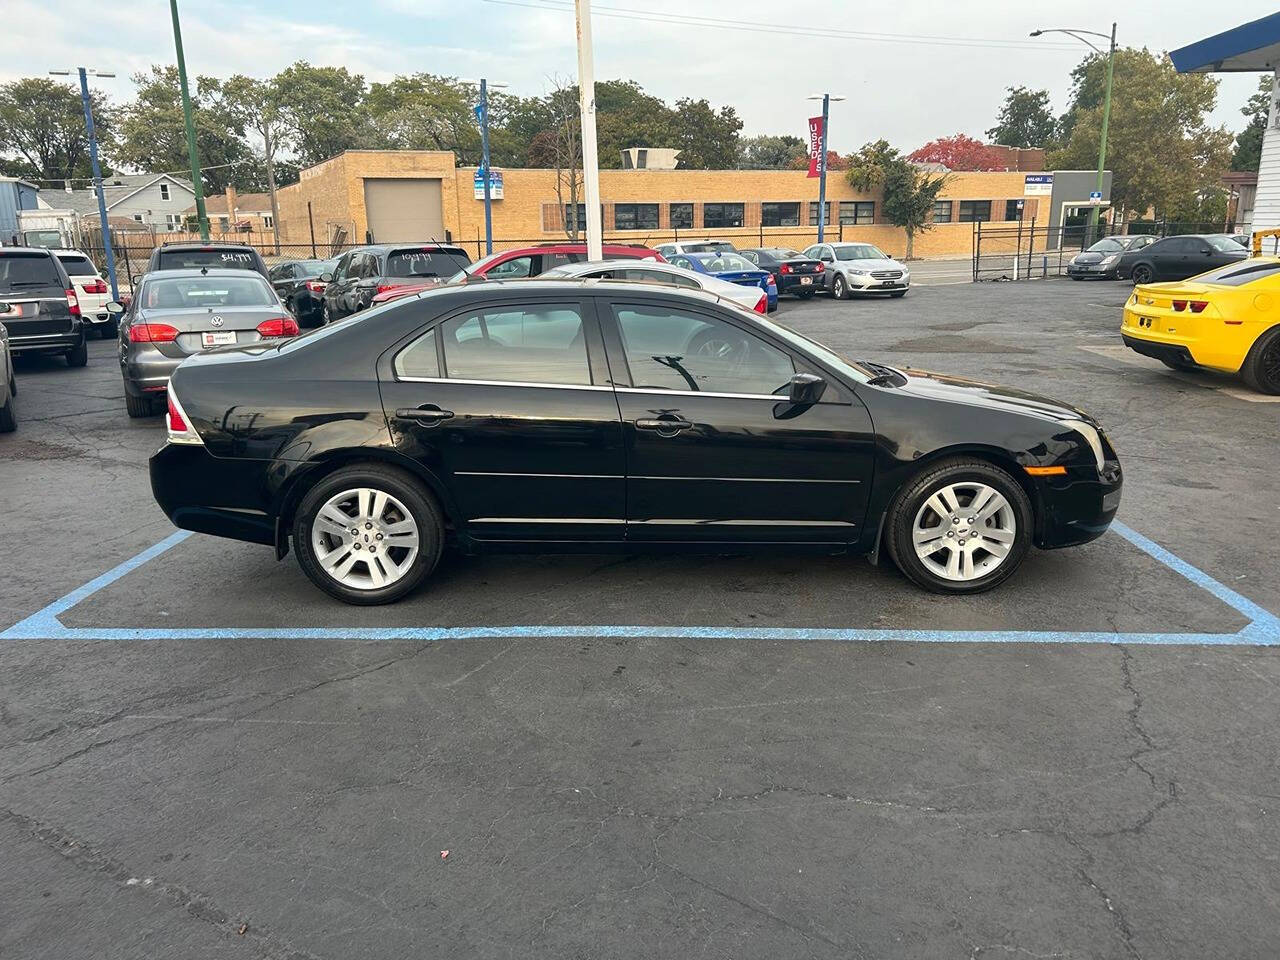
[1227, 319]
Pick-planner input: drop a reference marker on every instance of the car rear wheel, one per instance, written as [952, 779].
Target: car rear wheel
[1142, 274]
[839, 288]
[139, 407]
[962, 526]
[8, 422]
[78, 355]
[1261, 369]
[368, 534]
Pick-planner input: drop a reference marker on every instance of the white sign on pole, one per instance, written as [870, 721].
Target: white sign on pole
[1038, 185]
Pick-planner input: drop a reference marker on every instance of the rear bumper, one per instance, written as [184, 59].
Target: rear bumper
[46, 342]
[208, 494]
[1078, 507]
[794, 283]
[147, 370]
[1173, 352]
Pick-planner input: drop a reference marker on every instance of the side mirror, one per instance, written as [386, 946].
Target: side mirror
[806, 389]
[327, 277]
[114, 307]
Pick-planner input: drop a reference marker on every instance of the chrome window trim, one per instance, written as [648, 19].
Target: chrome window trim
[547, 520]
[775, 397]
[504, 383]
[557, 476]
[746, 479]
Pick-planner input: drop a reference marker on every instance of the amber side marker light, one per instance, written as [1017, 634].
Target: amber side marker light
[1046, 471]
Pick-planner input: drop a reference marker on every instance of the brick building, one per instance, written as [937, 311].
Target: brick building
[405, 195]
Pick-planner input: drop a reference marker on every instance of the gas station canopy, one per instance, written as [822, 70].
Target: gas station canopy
[1249, 48]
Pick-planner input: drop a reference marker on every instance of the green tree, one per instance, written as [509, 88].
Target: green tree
[907, 192]
[42, 128]
[868, 166]
[257, 106]
[767, 152]
[1248, 151]
[626, 116]
[151, 135]
[325, 110]
[1025, 120]
[707, 138]
[423, 111]
[1161, 150]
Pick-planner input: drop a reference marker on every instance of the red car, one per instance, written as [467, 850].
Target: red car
[525, 262]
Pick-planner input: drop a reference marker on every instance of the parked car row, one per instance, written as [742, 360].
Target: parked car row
[1145, 258]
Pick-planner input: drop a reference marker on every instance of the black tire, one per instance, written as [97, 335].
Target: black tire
[898, 294]
[911, 498]
[839, 288]
[109, 330]
[8, 422]
[1142, 273]
[78, 355]
[139, 407]
[418, 502]
[1261, 369]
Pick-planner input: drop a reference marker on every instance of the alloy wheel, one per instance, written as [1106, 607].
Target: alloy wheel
[838, 288]
[365, 538]
[964, 531]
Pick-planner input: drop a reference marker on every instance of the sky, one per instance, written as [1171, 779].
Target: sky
[910, 71]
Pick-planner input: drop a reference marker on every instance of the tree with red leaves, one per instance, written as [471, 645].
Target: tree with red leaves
[960, 153]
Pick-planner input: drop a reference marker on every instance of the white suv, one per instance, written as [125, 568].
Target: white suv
[695, 246]
[91, 289]
[860, 268]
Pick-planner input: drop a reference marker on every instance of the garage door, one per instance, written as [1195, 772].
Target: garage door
[404, 210]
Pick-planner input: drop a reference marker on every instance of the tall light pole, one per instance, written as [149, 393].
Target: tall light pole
[97, 170]
[1106, 104]
[587, 107]
[826, 99]
[482, 114]
[192, 153]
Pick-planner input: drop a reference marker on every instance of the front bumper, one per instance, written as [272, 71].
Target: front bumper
[869, 284]
[1079, 506]
[1092, 270]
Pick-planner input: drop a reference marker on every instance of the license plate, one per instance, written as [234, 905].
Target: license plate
[806, 281]
[217, 339]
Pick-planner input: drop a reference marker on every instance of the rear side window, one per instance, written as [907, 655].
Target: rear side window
[538, 343]
[20, 271]
[425, 263]
[1238, 274]
[179, 259]
[78, 266]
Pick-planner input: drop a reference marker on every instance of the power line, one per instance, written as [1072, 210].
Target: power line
[649, 16]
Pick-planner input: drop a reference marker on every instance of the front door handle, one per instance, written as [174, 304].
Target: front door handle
[666, 425]
[428, 414]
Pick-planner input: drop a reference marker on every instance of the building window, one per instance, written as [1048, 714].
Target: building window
[813, 213]
[779, 215]
[722, 214]
[635, 216]
[857, 211]
[267, 221]
[942, 211]
[1013, 209]
[971, 211]
[172, 220]
[164, 191]
[681, 216]
[582, 216]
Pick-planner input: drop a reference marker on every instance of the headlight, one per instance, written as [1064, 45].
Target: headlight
[1107, 261]
[1091, 437]
[861, 273]
[1072, 261]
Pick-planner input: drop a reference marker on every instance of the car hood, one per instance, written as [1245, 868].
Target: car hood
[941, 386]
[1090, 257]
[872, 264]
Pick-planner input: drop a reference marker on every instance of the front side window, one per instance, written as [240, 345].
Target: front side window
[669, 349]
[635, 216]
[942, 211]
[722, 214]
[536, 343]
[973, 211]
[1224, 244]
[853, 212]
[779, 214]
[681, 216]
[512, 269]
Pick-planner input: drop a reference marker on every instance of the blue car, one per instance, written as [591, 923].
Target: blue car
[732, 267]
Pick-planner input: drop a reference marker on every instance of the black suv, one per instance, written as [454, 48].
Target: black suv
[365, 272]
[188, 256]
[38, 305]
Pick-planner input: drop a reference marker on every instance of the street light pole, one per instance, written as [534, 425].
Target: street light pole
[587, 107]
[822, 162]
[192, 152]
[484, 154]
[108, 253]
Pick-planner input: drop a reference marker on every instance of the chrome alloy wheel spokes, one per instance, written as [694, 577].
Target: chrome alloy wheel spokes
[364, 538]
[964, 531]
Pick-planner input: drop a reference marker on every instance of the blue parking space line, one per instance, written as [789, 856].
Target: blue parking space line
[1263, 628]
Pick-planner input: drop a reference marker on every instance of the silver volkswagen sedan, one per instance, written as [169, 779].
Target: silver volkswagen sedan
[177, 313]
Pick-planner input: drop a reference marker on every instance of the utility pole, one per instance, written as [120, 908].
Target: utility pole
[826, 99]
[192, 152]
[587, 107]
[108, 253]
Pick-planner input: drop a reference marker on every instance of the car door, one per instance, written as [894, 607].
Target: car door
[334, 289]
[1169, 257]
[715, 451]
[508, 403]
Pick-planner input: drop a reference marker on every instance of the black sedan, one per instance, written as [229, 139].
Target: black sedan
[795, 274]
[1102, 260]
[1176, 258]
[549, 415]
[299, 286]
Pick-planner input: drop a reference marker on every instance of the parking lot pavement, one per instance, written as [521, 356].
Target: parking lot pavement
[203, 756]
[941, 272]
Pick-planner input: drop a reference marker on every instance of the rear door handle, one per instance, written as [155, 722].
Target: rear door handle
[427, 414]
[664, 425]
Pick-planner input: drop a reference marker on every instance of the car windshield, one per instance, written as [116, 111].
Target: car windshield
[78, 266]
[859, 251]
[427, 263]
[179, 293]
[717, 262]
[20, 270]
[1107, 245]
[1225, 244]
[181, 259]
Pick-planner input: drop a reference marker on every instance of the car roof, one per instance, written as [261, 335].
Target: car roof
[211, 245]
[552, 285]
[573, 248]
[629, 263]
[6, 250]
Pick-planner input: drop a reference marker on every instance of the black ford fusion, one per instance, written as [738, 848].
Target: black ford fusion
[599, 415]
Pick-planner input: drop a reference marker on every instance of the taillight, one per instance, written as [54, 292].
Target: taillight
[73, 303]
[785, 268]
[1179, 306]
[315, 286]
[278, 327]
[152, 333]
[179, 423]
[820, 267]
[1197, 306]
[96, 286]
[384, 287]
[762, 305]
[770, 281]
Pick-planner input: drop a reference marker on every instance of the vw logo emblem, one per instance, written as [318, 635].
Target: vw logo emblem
[216, 321]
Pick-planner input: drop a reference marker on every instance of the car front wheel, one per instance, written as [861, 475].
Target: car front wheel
[839, 288]
[368, 534]
[1142, 274]
[961, 526]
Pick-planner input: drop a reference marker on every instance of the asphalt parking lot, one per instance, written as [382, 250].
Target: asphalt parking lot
[203, 756]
